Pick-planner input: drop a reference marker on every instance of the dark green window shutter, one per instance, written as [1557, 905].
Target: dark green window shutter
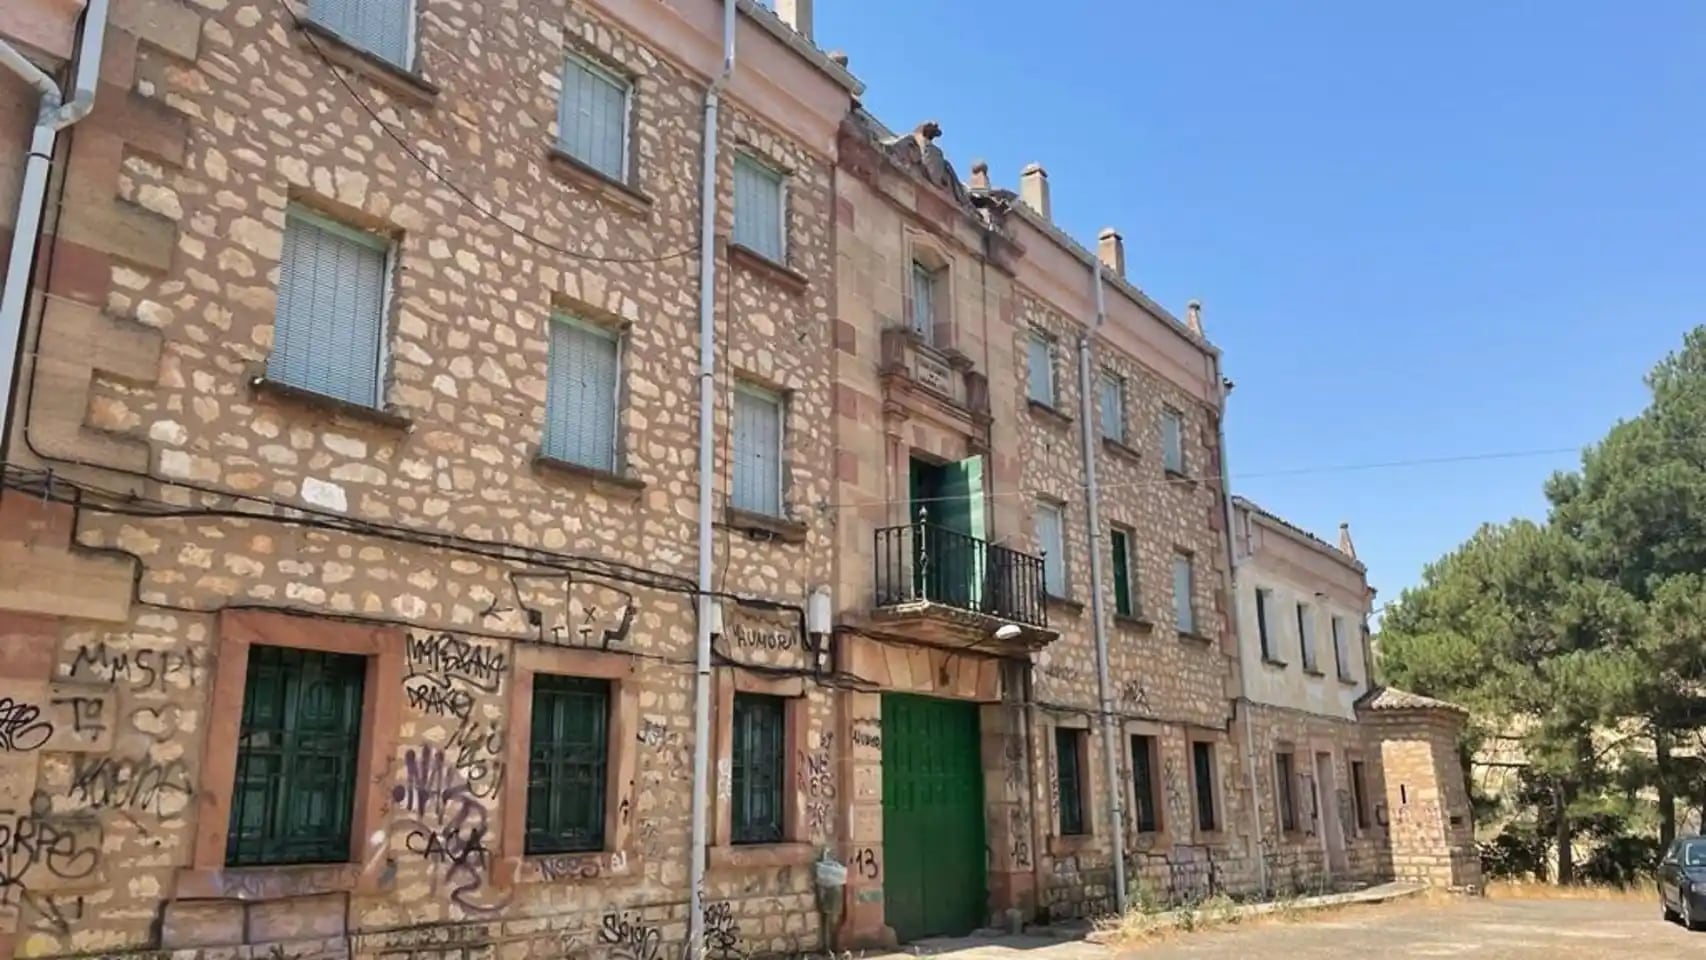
[1122, 573]
[294, 792]
[1202, 767]
[566, 764]
[1071, 783]
[758, 758]
[1143, 781]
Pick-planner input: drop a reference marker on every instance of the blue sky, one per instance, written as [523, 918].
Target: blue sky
[1419, 230]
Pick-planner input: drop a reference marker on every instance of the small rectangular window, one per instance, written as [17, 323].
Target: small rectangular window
[1184, 587]
[592, 117]
[1173, 441]
[758, 756]
[1285, 787]
[328, 332]
[1051, 539]
[757, 481]
[760, 209]
[567, 760]
[1202, 779]
[1067, 743]
[293, 798]
[1306, 635]
[384, 28]
[1264, 628]
[1125, 586]
[1143, 783]
[1112, 390]
[1341, 653]
[1039, 367]
[1359, 793]
[924, 302]
[580, 397]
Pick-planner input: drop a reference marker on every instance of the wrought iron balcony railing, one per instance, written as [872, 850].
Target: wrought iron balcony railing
[922, 561]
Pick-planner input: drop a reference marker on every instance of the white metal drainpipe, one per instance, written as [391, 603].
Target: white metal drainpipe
[1098, 616]
[707, 489]
[56, 114]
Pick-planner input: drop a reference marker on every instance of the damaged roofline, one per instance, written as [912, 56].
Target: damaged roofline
[1279, 524]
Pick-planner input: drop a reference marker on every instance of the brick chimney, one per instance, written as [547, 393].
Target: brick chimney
[1346, 546]
[979, 177]
[1033, 190]
[1110, 249]
[1193, 316]
[796, 14]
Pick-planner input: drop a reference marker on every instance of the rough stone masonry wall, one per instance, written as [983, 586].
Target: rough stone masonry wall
[1431, 823]
[1177, 685]
[171, 237]
[1296, 860]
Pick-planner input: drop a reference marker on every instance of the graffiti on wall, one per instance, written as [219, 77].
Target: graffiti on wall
[447, 826]
[570, 610]
[629, 937]
[446, 672]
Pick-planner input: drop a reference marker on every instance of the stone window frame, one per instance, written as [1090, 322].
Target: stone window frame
[207, 876]
[1289, 749]
[795, 846]
[1219, 746]
[1061, 845]
[1162, 835]
[1362, 807]
[617, 859]
[925, 251]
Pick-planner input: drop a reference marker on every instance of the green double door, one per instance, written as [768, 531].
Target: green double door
[935, 882]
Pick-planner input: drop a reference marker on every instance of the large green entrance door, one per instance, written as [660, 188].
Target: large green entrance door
[934, 884]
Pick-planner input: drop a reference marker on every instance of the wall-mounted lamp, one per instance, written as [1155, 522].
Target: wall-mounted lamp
[819, 617]
[716, 618]
[1007, 631]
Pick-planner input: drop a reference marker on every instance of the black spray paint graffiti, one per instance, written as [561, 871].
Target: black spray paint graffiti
[54, 914]
[448, 828]
[66, 847]
[446, 671]
[479, 747]
[868, 732]
[819, 778]
[1134, 698]
[143, 669]
[580, 866]
[722, 931]
[22, 728]
[1019, 837]
[587, 613]
[865, 864]
[132, 783]
[629, 937]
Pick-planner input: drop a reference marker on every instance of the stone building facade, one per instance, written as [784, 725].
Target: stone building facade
[959, 436]
[375, 637]
[289, 671]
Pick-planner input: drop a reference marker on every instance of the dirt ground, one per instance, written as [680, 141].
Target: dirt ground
[1478, 929]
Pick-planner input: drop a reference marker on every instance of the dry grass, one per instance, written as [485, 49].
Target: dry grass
[1534, 890]
[1148, 922]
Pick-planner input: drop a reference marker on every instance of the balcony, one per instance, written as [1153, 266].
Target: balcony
[945, 587]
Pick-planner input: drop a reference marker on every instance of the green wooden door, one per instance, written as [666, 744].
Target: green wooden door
[934, 882]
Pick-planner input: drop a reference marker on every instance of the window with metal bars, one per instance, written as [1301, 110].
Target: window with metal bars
[758, 756]
[294, 794]
[1143, 782]
[1067, 743]
[566, 763]
[1202, 771]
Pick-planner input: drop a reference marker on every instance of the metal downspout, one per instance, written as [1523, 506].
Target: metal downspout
[698, 841]
[56, 114]
[1098, 616]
